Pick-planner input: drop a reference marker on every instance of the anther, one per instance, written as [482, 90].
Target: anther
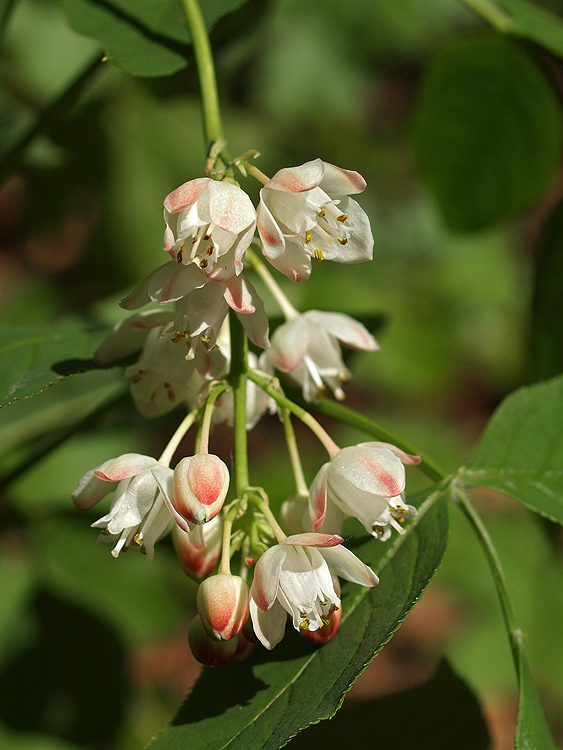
[342, 217]
[307, 237]
[322, 213]
[206, 236]
[304, 624]
[170, 391]
[342, 240]
[319, 255]
[180, 254]
[203, 263]
[139, 376]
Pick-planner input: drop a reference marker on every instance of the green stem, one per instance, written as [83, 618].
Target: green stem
[492, 13]
[300, 483]
[308, 419]
[175, 440]
[206, 71]
[355, 419]
[49, 116]
[514, 632]
[202, 445]
[225, 566]
[238, 378]
[264, 508]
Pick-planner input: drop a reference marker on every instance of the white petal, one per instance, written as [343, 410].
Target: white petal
[297, 179]
[90, 490]
[359, 247]
[345, 564]
[337, 181]
[293, 262]
[313, 539]
[129, 335]
[266, 576]
[371, 469]
[124, 466]
[172, 281]
[230, 207]
[185, 195]
[271, 236]
[289, 343]
[344, 328]
[269, 626]
[318, 498]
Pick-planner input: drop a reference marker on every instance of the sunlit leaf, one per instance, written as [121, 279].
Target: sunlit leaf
[487, 132]
[31, 359]
[262, 703]
[521, 450]
[144, 37]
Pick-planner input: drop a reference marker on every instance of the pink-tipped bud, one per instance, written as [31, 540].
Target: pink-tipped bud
[205, 649]
[199, 550]
[223, 605]
[200, 487]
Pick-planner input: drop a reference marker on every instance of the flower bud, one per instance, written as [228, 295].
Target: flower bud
[199, 550]
[200, 486]
[327, 632]
[205, 649]
[223, 605]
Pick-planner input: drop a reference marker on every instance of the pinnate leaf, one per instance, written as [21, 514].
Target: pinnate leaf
[262, 703]
[521, 450]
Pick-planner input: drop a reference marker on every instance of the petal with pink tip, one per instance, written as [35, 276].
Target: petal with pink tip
[298, 179]
[266, 577]
[268, 626]
[289, 343]
[271, 236]
[186, 194]
[313, 539]
[337, 181]
[231, 208]
[406, 458]
[374, 470]
[318, 498]
[90, 490]
[344, 328]
[138, 298]
[256, 324]
[124, 466]
[239, 295]
[293, 262]
[345, 564]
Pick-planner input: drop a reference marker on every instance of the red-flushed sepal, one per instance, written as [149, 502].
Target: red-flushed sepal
[200, 487]
[205, 649]
[223, 605]
[199, 550]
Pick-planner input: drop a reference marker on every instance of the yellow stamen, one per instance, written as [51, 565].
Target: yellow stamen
[342, 240]
[319, 255]
[180, 254]
[342, 217]
[307, 237]
[170, 391]
[304, 624]
[325, 619]
[203, 263]
[322, 213]
[140, 375]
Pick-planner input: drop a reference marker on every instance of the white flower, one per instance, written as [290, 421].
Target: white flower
[305, 212]
[307, 348]
[209, 224]
[138, 511]
[199, 550]
[202, 305]
[366, 481]
[295, 578]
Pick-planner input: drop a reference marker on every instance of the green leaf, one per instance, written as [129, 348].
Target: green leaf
[546, 324]
[145, 37]
[532, 731]
[31, 359]
[524, 19]
[487, 132]
[262, 703]
[442, 713]
[521, 450]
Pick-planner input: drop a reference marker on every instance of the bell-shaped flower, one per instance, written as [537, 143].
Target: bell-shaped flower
[305, 212]
[199, 489]
[201, 304]
[222, 604]
[295, 578]
[365, 481]
[306, 347]
[138, 512]
[129, 335]
[209, 224]
[199, 550]
[165, 376]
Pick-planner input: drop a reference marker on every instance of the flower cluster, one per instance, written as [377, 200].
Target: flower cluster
[190, 352]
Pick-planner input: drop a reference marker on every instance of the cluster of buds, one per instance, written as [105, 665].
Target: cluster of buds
[186, 358]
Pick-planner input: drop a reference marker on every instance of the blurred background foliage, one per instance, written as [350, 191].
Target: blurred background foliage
[93, 651]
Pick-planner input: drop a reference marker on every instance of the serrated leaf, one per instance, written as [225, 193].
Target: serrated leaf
[442, 713]
[487, 132]
[521, 451]
[31, 359]
[260, 704]
[145, 37]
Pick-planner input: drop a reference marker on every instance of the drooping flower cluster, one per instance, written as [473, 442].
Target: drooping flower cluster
[185, 355]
